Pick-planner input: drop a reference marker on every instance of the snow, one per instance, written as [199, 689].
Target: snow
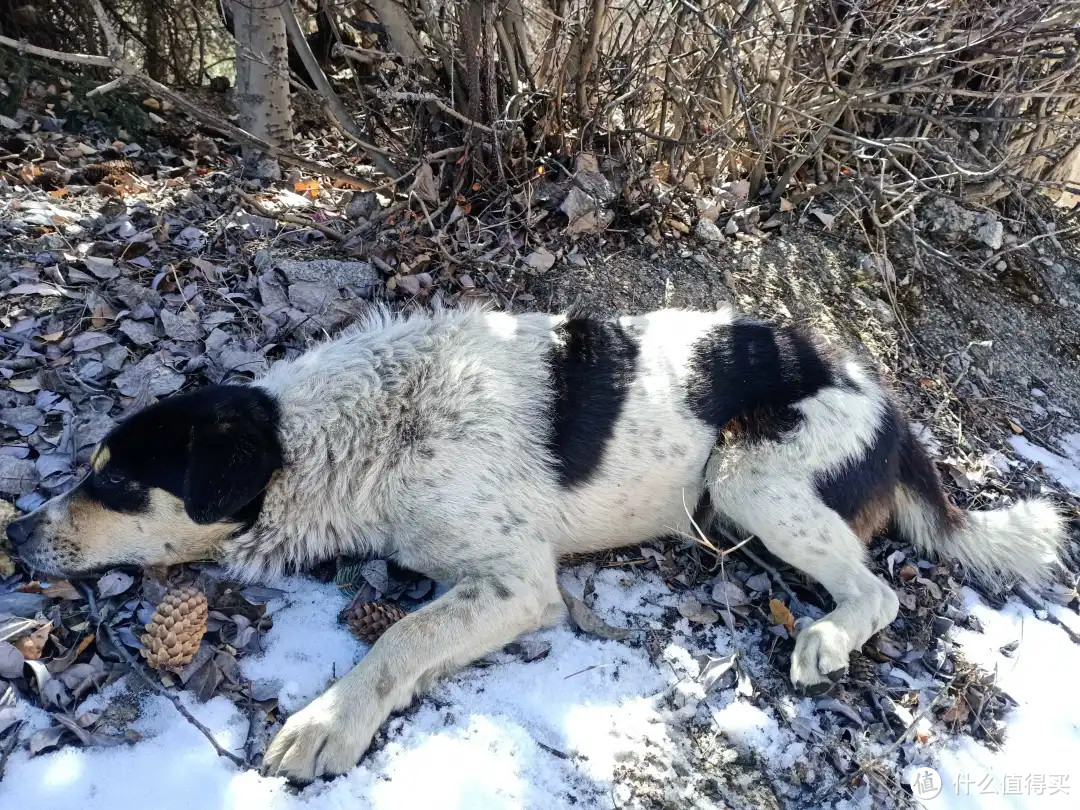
[1037, 766]
[546, 734]
[1043, 742]
[1065, 468]
[567, 730]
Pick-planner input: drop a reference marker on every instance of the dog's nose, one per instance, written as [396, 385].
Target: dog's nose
[18, 531]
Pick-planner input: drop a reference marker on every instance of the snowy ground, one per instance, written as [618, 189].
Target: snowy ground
[583, 727]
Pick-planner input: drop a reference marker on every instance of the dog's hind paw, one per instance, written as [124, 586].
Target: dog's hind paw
[821, 656]
[322, 739]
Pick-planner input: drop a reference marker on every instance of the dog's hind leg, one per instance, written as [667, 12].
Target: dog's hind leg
[788, 515]
[484, 610]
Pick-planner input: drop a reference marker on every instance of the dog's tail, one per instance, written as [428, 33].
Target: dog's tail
[1021, 543]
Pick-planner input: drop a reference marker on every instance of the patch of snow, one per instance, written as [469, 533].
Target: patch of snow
[1037, 765]
[563, 731]
[552, 733]
[1064, 468]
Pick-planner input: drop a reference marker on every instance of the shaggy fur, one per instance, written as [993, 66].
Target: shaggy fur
[479, 448]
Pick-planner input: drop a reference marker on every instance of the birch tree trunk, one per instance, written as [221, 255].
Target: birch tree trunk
[262, 77]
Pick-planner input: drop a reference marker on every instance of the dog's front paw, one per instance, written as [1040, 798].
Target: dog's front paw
[323, 739]
[821, 656]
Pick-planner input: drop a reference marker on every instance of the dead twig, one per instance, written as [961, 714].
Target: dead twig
[292, 219]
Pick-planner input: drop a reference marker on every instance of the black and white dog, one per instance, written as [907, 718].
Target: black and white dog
[479, 448]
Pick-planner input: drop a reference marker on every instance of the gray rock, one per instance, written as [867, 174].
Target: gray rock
[362, 205]
[330, 271]
[706, 231]
[947, 220]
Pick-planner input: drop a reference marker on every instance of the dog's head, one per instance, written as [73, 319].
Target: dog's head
[168, 485]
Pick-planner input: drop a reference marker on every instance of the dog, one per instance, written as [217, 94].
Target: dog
[480, 448]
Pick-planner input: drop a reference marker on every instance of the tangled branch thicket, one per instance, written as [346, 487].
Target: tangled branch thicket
[975, 98]
[980, 100]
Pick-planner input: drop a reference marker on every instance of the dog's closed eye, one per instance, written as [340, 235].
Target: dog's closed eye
[112, 478]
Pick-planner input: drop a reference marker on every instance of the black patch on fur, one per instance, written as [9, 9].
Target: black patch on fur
[501, 590]
[215, 449]
[919, 475]
[873, 474]
[591, 372]
[469, 593]
[753, 372]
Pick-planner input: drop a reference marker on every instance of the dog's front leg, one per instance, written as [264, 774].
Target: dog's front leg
[478, 615]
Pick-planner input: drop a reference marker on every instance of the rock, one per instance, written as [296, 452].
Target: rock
[540, 259]
[990, 232]
[362, 205]
[25, 605]
[950, 222]
[706, 231]
[335, 272]
[311, 296]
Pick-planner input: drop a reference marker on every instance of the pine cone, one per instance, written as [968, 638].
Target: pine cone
[371, 620]
[111, 171]
[173, 635]
[861, 668]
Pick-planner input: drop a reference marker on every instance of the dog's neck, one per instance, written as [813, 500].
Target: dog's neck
[343, 428]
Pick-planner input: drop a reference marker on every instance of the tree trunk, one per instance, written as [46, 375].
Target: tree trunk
[262, 77]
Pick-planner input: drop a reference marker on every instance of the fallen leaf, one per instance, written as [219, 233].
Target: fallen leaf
[692, 610]
[587, 621]
[45, 740]
[781, 615]
[823, 217]
[60, 589]
[713, 669]
[540, 259]
[11, 661]
[958, 712]
[31, 646]
[113, 583]
[307, 187]
[24, 386]
[727, 593]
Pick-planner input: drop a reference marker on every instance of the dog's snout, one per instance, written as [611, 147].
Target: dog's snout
[18, 531]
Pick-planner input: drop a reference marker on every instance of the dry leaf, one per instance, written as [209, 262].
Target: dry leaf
[32, 645]
[823, 217]
[781, 615]
[587, 621]
[1014, 426]
[309, 188]
[957, 713]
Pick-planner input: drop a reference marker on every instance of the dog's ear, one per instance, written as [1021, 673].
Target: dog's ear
[233, 454]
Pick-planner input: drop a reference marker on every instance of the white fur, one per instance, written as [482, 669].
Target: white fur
[1018, 544]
